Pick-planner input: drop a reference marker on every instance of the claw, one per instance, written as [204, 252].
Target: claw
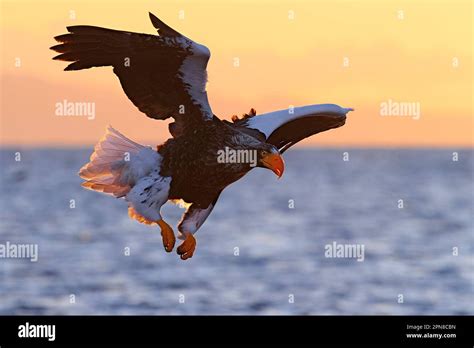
[186, 249]
[167, 234]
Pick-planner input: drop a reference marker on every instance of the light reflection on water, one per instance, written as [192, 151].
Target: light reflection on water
[281, 251]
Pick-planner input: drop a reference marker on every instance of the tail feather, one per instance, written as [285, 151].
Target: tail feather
[117, 163]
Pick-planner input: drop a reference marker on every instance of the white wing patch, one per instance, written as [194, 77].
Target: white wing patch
[195, 75]
[268, 123]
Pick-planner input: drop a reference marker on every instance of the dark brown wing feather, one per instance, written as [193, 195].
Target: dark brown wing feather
[149, 67]
[283, 128]
[294, 131]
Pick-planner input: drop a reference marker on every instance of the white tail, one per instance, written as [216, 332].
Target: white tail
[117, 163]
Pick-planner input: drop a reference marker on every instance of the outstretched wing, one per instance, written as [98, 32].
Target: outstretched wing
[164, 76]
[285, 128]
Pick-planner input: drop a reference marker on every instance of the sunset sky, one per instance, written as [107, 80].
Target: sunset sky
[357, 54]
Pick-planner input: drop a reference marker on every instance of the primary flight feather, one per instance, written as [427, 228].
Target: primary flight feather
[165, 76]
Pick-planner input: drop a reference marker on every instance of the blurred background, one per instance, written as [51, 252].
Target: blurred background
[281, 251]
[257, 253]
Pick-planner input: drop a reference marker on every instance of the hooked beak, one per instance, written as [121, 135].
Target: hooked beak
[275, 163]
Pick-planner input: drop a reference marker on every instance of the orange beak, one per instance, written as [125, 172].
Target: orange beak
[275, 163]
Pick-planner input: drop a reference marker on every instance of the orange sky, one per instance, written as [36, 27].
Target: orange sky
[283, 61]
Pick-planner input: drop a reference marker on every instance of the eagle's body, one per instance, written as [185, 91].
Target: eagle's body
[165, 76]
[191, 160]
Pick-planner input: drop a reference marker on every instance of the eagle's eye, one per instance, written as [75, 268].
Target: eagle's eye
[264, 153]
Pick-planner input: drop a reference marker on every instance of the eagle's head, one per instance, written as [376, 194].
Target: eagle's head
[249, 152]
[269, 157]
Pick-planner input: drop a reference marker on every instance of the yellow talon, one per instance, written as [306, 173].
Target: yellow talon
[186, 249]
[167, 234]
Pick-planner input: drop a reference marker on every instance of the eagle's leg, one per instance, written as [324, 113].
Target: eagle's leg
[145, 201]
[167, 235]
[191, 221]
[186, 249]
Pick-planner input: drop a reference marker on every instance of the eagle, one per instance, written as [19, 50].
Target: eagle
[165, 76]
